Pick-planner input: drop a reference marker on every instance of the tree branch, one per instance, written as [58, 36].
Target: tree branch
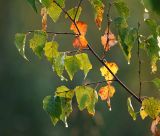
[79, 4]
[99, 82]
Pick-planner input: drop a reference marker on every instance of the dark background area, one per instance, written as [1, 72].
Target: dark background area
[23, 85]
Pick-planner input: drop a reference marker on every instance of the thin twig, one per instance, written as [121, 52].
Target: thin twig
[108, 29]
[79, 4]
[56, 33]
[139, 62]
[99, 82]
[69, 52]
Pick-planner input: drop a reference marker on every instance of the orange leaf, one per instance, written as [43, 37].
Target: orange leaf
[108, 40]
[80, 42]
[44, 18]
[99, 16]
[106, 92]
[154, 128]
[81, 26]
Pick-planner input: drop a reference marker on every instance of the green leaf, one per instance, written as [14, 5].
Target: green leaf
[85, 63]
[53, 9]
[87, 98]
[63, 91]
[130, 109]
[52, 105]
[127, 37]
[152, 50]
[99, 10]
[59, 108]
[38, 41]
[122, 8]
[156, 82]
[72, 12]
[51, 50]
[58, 65]
[121, 22]
[20, 41]
[72, 65]
[151, 106]
[33, 4]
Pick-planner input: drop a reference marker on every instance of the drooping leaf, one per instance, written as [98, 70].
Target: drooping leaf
[20, 41]
[59, 108]
[99, 10]
[87, 98]
[72, 65]
[58, 65]
[52, 105]
[38, 41]
[33, 4]
[156, 82]
[152, 50]
[104, 71]
[44, 18]
[63, 91]
[72, 12]
[126, 38]
[81, 26]
[51, 50]
[131, 109]
[151, 107]
[122, 8]
[154, 129]
[85, 63]
[108, 40]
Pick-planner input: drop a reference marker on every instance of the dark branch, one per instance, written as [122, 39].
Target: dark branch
[99, 82]
[79, 4]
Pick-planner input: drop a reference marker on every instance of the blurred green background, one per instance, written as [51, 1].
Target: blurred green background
[23, 85]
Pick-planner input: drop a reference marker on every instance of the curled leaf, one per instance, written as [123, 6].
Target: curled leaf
[154, 129]
[44, 18]
[131, 109]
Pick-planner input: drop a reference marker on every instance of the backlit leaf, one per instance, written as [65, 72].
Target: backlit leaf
[38, 41]
[33, 4]
[87, 98]
[20, 41]
[72, 12]
[104, 71]
[51, 50]
[99, 10]
[85, 63]
[80, 42]
[131, 109]
[72, 65]
[150, 107]
[108, 40]
[154, 129]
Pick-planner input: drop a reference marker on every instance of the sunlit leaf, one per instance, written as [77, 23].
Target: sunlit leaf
[150, 107]
[87, 98]
[72, 12]
[20, 41]
[38, 41]
[99, 10]
[58, 65]
[104, 71]
[72, 65]
[108, 40]
[51, 50]
[131, 109]
[80, 42]
[85, 63]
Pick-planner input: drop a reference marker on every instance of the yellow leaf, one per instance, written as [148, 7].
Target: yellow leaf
[104, 71]
[143, 113]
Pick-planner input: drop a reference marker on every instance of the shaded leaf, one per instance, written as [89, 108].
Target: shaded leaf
[72, 65]
[104, 71]
[156, 82]
[33, 4]
[131, 109]
[85, 63]
[87, 98]
[154, 129]
[38, 41]
[99, 10]
[20, 41]
[72, 12]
